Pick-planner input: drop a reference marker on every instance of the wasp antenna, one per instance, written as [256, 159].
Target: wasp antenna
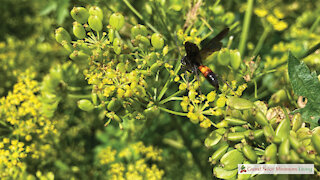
[229, 86]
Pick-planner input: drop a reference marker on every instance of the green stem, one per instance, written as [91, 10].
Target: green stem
[315, 24]
[156, 9]
[245, 27]
[173, 112]
[255, 89]
[261, 95]
[165, 88]
[156, 89]
[172, 97]
[140, 16]
[261, 41]
[76, 88]
[229, 42]
[310, 51]
[173, 143]
[79, 96]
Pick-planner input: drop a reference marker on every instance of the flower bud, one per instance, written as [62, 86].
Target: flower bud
[237, 136]
[80, 14]
[268, 133]
[224, 57]
[78, 30]
[62, 35]
[304, 133]
[95, 23]
[211, 96]
[235, 122]
[294, 157]
[221, 101]
[117, 46]
[249, 153]
[85, 104]
[218, 154]
[316, 142]
[270, 153]
[284, 151]
[238, 129]
[231, 159]
[67, 46]
[294, 142]
[194, 118]
[116, 21]
[261, 118]
[235, 59]
[165, 50]
[222, 173]
[258, 133]
[94, 98]
[121, 67]
[139, 30]
[143, 41]
[96, 11]
[239, 103]
[278, 97]
[222, 124]
[283, 129]
[111, 35]
[296, 121]
[78, 55]
[212, 139]
[157, 41]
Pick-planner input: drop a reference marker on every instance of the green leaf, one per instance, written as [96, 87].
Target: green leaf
[305, 84]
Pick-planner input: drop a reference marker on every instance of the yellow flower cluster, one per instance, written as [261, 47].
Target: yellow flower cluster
[274, 17]
[138, 166]
[199, 106]
[192, 37]
[107, 155]
[118, 81]
[149, 152]
[11, 154]
[137, 170]
[20, 112]
[21, 109]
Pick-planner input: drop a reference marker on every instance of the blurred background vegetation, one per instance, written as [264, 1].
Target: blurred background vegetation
[43, 133]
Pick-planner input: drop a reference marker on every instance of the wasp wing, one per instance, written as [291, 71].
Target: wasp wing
[193, 53]
[213, 45]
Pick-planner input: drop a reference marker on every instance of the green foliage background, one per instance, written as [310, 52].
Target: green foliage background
[64, 116]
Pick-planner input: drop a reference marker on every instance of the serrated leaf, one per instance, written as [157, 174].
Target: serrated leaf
[305, 84]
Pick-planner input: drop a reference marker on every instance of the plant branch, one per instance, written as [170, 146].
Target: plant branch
[173, 112]
[140, 16]
[245, 27]
[172, 97]
[165, 87]
[263, 37]
[310, 51]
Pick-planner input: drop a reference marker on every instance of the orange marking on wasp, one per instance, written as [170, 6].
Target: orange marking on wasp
[204, 70]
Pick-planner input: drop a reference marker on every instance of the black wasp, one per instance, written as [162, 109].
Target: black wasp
[193, 60]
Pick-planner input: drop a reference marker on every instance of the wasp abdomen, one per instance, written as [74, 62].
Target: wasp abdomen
[209, 75]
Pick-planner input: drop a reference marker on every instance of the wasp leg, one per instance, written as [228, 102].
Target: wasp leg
[195, 69]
